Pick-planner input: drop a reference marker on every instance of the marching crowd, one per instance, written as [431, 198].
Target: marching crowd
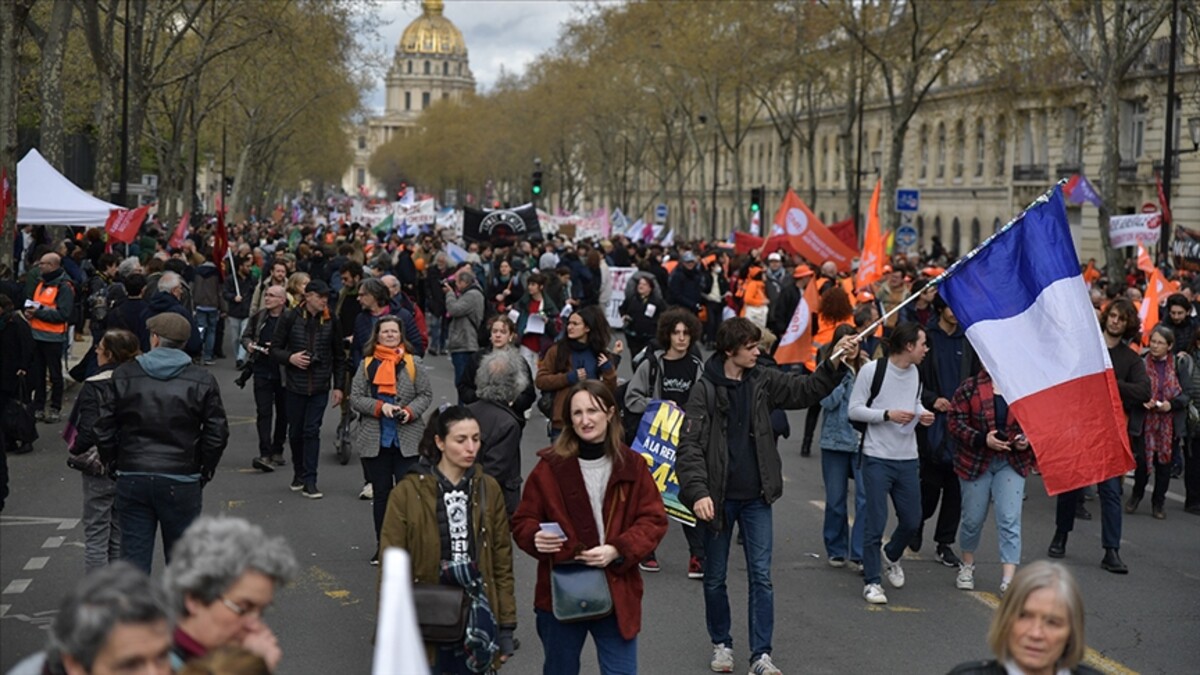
[341, 317]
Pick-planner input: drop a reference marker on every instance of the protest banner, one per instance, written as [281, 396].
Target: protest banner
[1129, 230]
[657, 442]
[620, 276]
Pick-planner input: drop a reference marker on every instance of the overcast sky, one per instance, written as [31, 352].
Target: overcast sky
[504, 34]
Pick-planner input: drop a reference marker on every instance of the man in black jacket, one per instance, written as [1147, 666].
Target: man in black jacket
[502, 378]
[308, 342]
[164, 427]
[1120, 324]
[270, 398]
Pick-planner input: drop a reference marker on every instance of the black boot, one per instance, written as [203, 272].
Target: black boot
[1112, 562]
[806, 447]
[1058, 545]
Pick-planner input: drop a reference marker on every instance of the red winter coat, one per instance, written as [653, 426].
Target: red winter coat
[634, 518]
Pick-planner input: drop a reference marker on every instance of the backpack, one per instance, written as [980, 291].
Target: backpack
[629, 419]
[876, 385]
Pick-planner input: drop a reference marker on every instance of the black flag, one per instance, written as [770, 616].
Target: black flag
[501, 226]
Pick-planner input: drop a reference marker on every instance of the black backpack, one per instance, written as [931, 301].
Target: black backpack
[876, 385]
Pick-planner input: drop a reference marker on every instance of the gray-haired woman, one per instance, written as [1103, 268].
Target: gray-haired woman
[221, 579]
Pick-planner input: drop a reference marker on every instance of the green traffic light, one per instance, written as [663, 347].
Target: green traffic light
[754, 207]
[537, 189]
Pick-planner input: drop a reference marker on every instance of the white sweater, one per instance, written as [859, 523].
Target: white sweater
[596, 473]
[900, 390]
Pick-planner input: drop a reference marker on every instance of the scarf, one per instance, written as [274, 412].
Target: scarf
[1159, 431]
[385, 376]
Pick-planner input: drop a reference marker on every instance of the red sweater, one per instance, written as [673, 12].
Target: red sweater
[634, 518]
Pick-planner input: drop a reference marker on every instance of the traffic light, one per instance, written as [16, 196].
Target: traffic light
[402, 190]
[756, 199]
[536, 189]
[228, 186]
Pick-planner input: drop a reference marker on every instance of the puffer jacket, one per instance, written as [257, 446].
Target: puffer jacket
[703, 452]
[412, 393]
[320, 336]
[411, 523]
[164, 415]
[634, 523]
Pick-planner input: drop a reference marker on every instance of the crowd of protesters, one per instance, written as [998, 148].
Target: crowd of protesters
[339, 316]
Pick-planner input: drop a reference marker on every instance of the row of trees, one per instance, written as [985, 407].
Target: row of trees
[647, 94]
[264, 89]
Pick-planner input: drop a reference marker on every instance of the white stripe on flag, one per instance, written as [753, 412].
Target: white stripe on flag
[1059, 333]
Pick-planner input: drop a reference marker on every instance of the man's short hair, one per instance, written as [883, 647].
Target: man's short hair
[466, 276]
[1178, 300]
[112, 595]
[107, 260]
[502, 376]
[169, 281]
[735, 333]
[904, 334]
[353, 268]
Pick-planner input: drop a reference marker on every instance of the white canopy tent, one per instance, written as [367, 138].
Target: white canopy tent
[46, 197]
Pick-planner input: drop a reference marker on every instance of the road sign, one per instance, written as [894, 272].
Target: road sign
[908, 201]
[906, 236]
[660, 214]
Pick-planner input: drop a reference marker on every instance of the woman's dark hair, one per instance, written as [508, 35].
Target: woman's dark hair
[593, 259]
[438, 426]
[673, 317]
[597, 337]
[121, 345]
[904, 334]
[502, 318]
[567, 443]
[1124, 307]
[369, 348]
[536, 278]
[838, 333]
[735, 333]
[835, 304]
[377, 290]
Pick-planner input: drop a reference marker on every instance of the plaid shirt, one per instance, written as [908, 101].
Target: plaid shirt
[972, 415]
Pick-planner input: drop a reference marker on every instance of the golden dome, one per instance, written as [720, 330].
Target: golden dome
[432, 33]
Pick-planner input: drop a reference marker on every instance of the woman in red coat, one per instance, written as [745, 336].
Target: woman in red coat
[601, 496]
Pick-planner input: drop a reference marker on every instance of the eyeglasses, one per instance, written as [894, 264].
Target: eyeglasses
[243, 611]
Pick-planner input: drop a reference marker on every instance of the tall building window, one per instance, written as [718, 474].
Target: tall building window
[980, 143]
[362, 142]
[1132, 129]
[362, 177]
[1025, 151]
[408, 100]
[427, 68]
[924, 152]
[960, 149]
[410, 67]
[424, 100]
[445, 67]
[445, 96]
[1001, 147]
[824, 160]
[941, 150]
[1072, 132]
[837, 162]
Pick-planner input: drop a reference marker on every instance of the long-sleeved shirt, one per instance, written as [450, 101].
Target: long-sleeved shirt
[900, 390]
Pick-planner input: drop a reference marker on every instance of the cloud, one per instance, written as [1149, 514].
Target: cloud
[501, 34]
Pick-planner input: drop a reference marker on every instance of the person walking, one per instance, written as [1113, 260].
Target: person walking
[49, 312]
[839, 443]
[992, 461]
[640, 312]
[101, 531]
[449, 515]
[502, 336]
[536, 319]
[501, 379]
[270, 397]
[390, 391]
[308, 343]
[210, 305]
[465, 307]
[609, 515]
[237, 301]
[164, 429]
[1166, 419]
[582, 354]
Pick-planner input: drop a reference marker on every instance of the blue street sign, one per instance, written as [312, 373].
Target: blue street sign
[906, 236]
[660, 214]
[908, 201]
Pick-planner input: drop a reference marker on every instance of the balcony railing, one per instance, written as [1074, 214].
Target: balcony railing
[1158, 167]
[1067, 170]
[1031, 172]
[1127, 170]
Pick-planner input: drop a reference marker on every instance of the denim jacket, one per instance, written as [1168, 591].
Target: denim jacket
[836, 433]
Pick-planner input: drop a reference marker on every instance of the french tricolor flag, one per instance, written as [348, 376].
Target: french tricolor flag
[1024, 306]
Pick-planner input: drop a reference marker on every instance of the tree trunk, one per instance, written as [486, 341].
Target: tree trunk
[50, 84]
[1110, 158]
[12, 14]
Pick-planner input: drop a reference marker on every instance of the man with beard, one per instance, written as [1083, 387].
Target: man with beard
[1179, 319]
[1120, 324]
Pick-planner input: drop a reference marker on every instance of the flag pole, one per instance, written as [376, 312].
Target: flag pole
[955, 266]
[233, 269]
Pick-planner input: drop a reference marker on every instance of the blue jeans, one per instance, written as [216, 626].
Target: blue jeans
[234, 329]
[206, 321]
[563, 642]
[840, 540]
[753, 516]
[901, 479]
[305, 414]
[460, 360]
[148, 503]
[999, 483]
[437, 341]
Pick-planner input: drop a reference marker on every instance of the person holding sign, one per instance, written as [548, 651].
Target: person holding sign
[669, 374]
[536, 314]
[589, 501]
[735, 476]
[640, 312]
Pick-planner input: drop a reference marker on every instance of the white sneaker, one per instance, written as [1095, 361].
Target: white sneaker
[722, 659]
[1004, 584]
[966, 578]
[873, 593]
[763, 666]
[367, 492]
[894, 573]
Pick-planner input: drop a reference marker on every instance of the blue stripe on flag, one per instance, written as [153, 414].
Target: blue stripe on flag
[1007, 276]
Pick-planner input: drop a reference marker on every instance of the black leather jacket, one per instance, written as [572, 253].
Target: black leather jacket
[320, 336]
[174, 426]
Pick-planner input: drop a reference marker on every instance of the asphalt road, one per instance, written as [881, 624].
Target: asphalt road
[325, 620]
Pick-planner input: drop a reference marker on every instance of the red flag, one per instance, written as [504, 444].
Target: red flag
[6, 196]
[181, 232]
[870, 263]
[123, 224]
[745, 243]
[796, 344]
[1156, 292]
[220, 243]
[809, 235]
[1162, 200]
[846, 231]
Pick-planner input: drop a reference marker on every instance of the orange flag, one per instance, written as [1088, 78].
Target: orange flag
[1156, 292]
[808, 234]
[1144, 262]
[796, 344]
[870, 262]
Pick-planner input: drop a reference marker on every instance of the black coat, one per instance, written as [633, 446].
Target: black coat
[320, 336]
[16, 352]
[1133, 384]
[163, 301]
[500, 443]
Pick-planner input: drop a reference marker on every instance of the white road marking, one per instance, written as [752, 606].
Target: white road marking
[54, 542]
[37, 563]
[68, 523]
[16, 586]
[4, 610]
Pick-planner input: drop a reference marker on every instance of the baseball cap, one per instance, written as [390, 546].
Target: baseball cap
[171, 326]
[687, 257]
[773, 257]
[317, 286]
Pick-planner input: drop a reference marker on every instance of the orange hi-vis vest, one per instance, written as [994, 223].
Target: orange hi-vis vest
[47, 297]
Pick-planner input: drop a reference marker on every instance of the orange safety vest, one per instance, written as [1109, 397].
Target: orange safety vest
[47, 297]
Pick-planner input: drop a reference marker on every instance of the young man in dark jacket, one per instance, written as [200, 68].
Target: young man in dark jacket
[238, 291]
[308, 343]
[735, 476]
